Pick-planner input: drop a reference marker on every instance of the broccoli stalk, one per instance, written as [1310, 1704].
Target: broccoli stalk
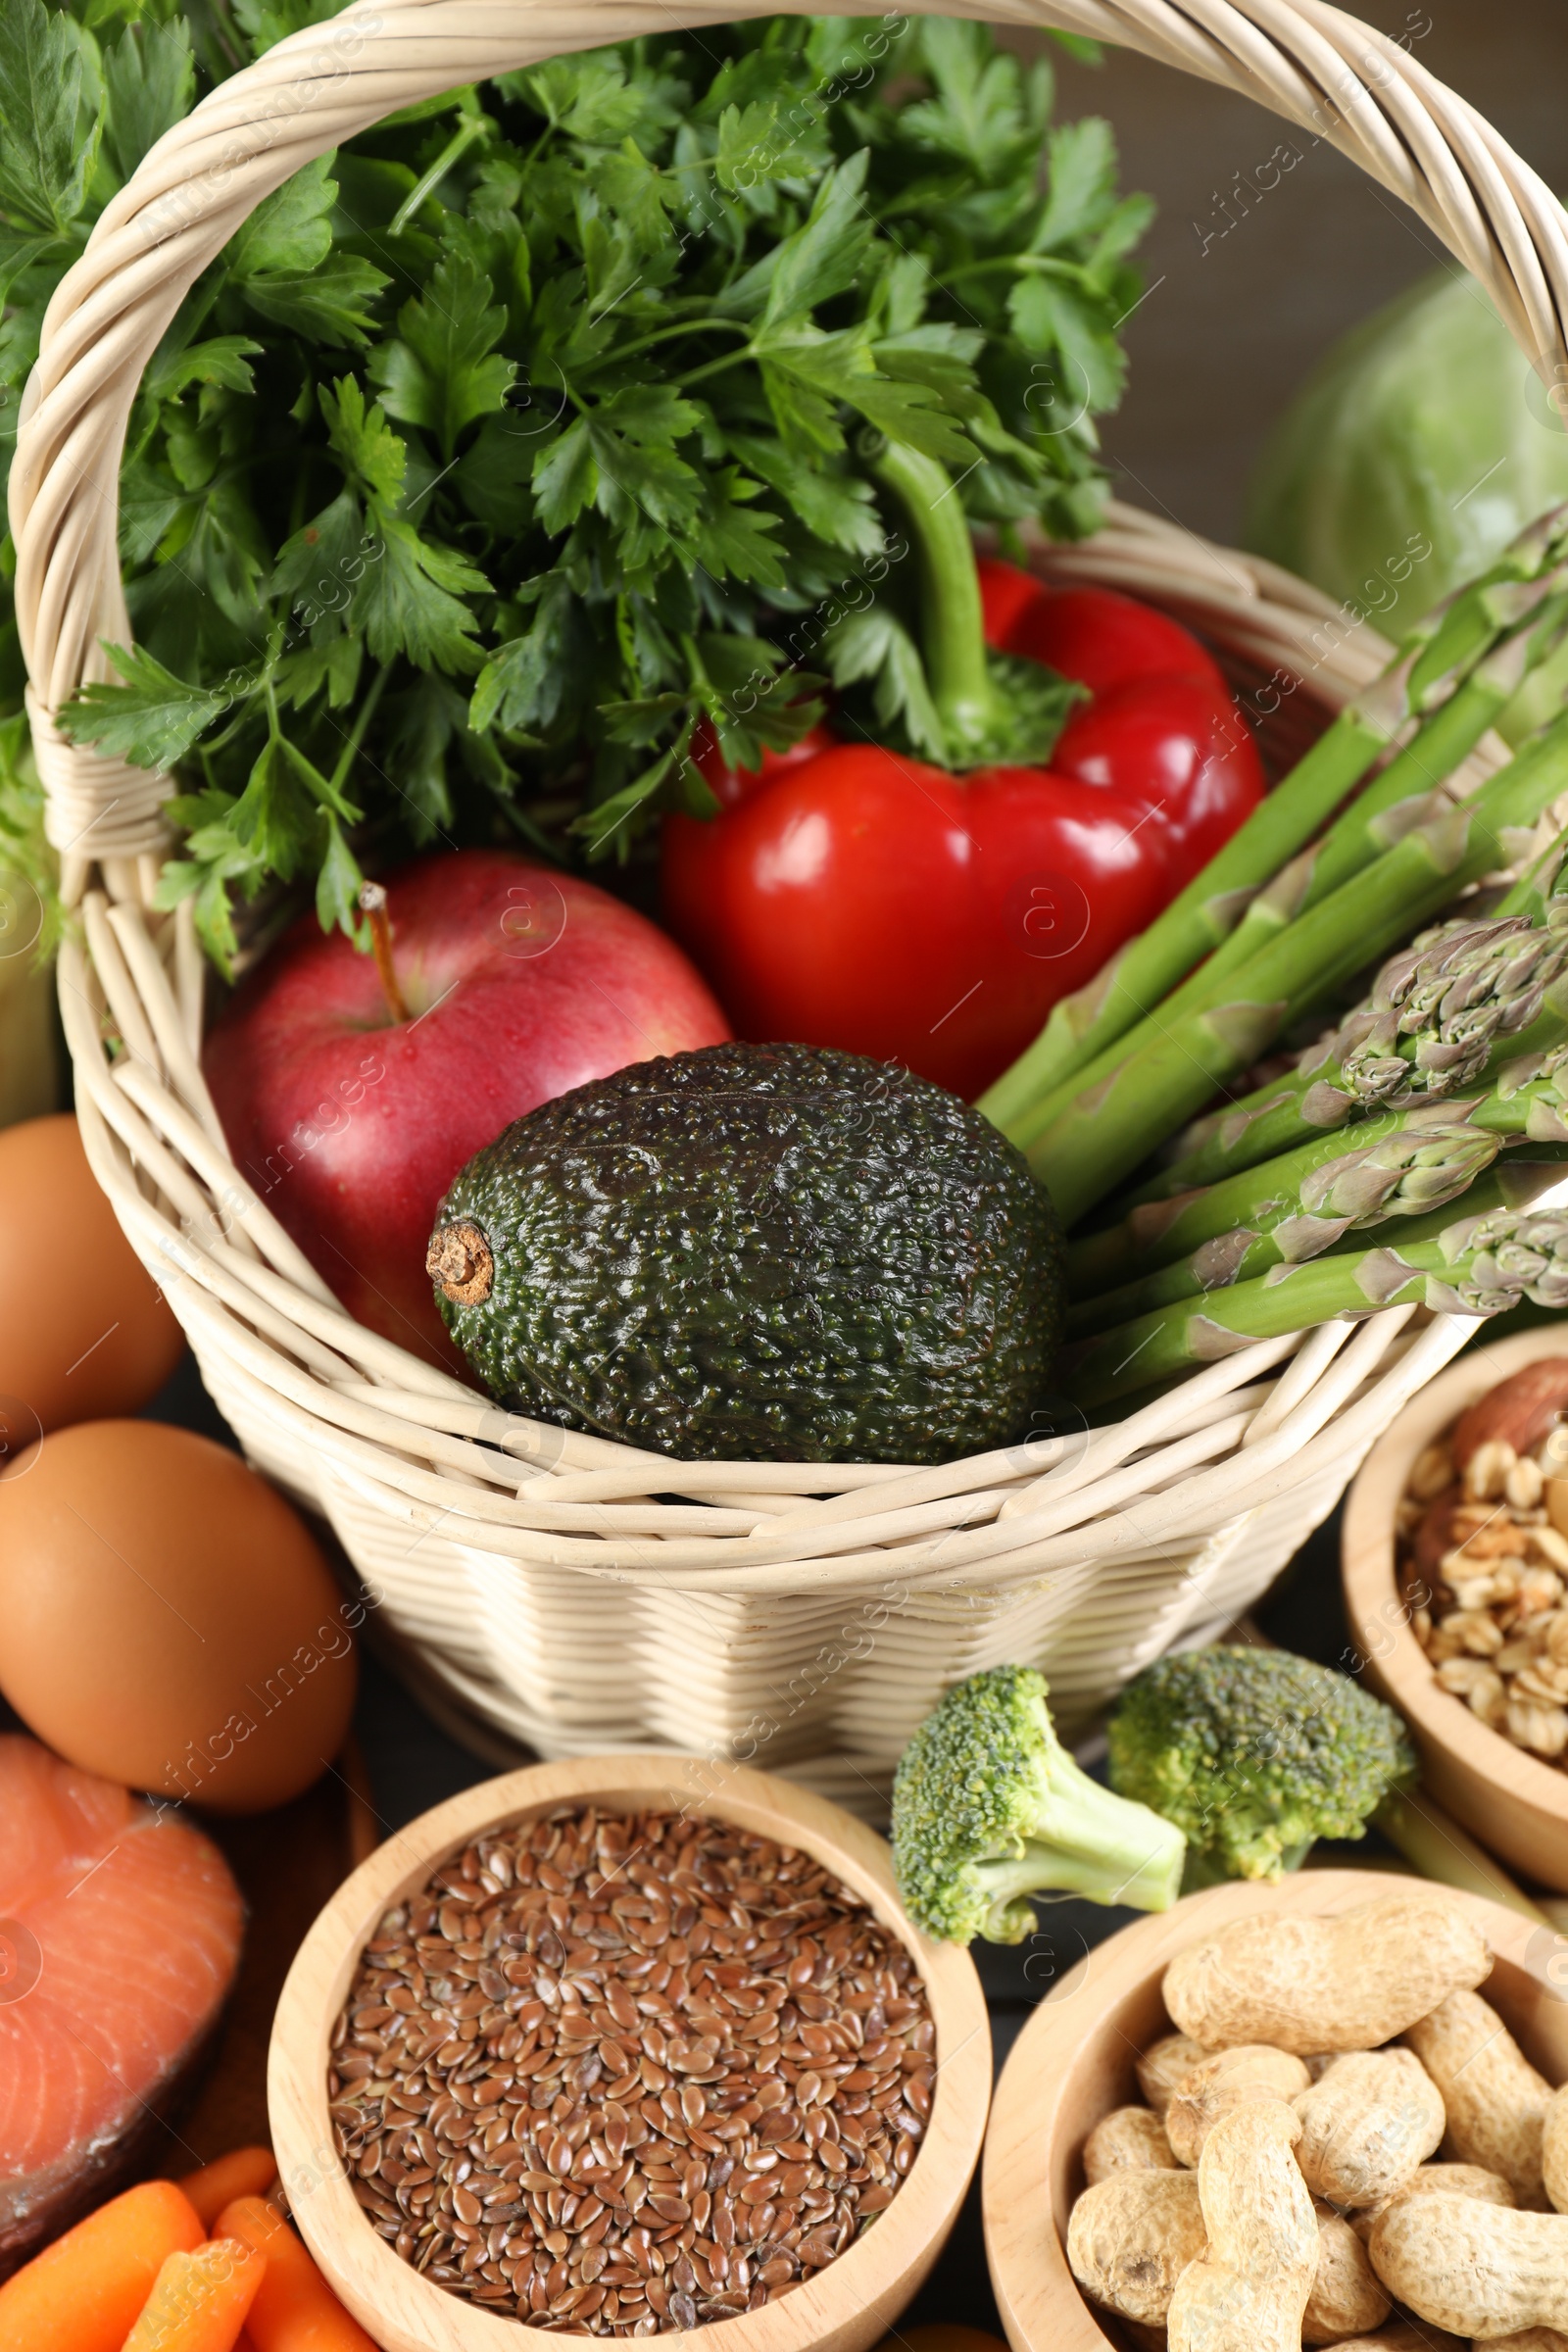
[1255, 1754]
[989, 1808]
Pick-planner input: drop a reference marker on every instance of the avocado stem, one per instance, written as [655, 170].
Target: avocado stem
[373, 904]
[461, 1260]
[951, 618]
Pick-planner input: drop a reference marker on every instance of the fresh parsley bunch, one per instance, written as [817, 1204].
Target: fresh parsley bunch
[503, 448]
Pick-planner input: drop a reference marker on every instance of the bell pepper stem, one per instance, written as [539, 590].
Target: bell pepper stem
[951, 621]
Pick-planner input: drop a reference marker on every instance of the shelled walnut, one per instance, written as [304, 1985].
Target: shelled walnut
[1484, 1542]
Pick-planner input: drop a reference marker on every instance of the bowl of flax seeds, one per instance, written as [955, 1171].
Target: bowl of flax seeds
[628, 2061]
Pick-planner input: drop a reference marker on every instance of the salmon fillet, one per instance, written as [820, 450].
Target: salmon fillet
[119, 1935]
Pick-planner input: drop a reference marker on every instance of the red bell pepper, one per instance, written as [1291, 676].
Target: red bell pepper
[849, 895]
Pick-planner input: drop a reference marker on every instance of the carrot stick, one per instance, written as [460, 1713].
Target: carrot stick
[296, 2311]
[83, 2292]
[243, 2173]
[200, 2300]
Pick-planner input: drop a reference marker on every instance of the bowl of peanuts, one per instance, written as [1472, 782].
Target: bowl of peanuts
[1330, 2110]
[627, 2045]
[1455, 1573]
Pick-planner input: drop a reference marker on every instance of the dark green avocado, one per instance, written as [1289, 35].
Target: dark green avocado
[758, 1252]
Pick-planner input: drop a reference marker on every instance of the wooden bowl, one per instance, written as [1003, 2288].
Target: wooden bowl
[1512, 1802]
[1073, 2063]
[847, 2306]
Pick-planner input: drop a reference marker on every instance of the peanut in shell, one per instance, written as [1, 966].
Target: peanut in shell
[1130, 2140]
[1449, 2179]
[1348, 2298]
[1227, 2080]
[1130, 2237]
[1251, 2284]
[1366, 2125]
[1472, 2266]
[1554, 2149]
[1350, 1982]
[1495, 2102]
[1164, 2065]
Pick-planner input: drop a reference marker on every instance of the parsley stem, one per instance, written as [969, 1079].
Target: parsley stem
[539, 146]
[1027, 264]
[362, 719]
[662, 334]
[477, 127]
[731, 358]
[229, 39]
[243, 716]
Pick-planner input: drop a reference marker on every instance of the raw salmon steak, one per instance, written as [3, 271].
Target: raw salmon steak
[119, 1933]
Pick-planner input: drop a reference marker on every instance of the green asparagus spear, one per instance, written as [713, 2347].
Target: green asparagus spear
[1481, 1266]
[1400, 1163]
[1264, 1126]
[1442, 1015]
[1403, 796]
[1417, 1828]
[1536, 611]
[1409, 1173]
[1529, 1099]
[1541, 889]
[1434, 664]
[1516, 1181]
[1104, 1134]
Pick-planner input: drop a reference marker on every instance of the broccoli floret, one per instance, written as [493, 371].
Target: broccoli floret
[1255, 1753]
[989, 1808]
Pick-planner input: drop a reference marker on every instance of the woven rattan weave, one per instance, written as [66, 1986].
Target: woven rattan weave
[549, 1586]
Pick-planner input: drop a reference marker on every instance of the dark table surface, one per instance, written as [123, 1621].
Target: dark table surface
[1231, 325]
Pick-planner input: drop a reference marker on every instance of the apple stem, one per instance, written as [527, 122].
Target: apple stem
[373, 904]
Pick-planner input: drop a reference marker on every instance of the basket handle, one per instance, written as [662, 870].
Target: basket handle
[1320, 69]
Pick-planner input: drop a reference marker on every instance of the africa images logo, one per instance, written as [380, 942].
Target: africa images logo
[1547, 1960]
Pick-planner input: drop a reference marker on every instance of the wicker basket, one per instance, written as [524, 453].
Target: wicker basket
[791, 1614]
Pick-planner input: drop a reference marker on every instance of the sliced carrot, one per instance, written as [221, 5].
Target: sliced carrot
[200, 2300]
[82, 2293]
[243, 2173]
[296, 2311]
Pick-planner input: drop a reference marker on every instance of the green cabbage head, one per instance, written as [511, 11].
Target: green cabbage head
[1425, 428]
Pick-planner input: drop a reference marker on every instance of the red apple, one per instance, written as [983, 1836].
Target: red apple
[520, 984]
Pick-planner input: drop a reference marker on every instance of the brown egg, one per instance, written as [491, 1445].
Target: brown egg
[83, 1331]
[168, 1619]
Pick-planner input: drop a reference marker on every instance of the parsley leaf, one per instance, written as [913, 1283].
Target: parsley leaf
[442, 370]
[538, 428]
[152, 719]
[282, 261]
[411, 603]
[522, 687]
[875, 645]
[43, 168]
[149, 77]
[290, 230]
